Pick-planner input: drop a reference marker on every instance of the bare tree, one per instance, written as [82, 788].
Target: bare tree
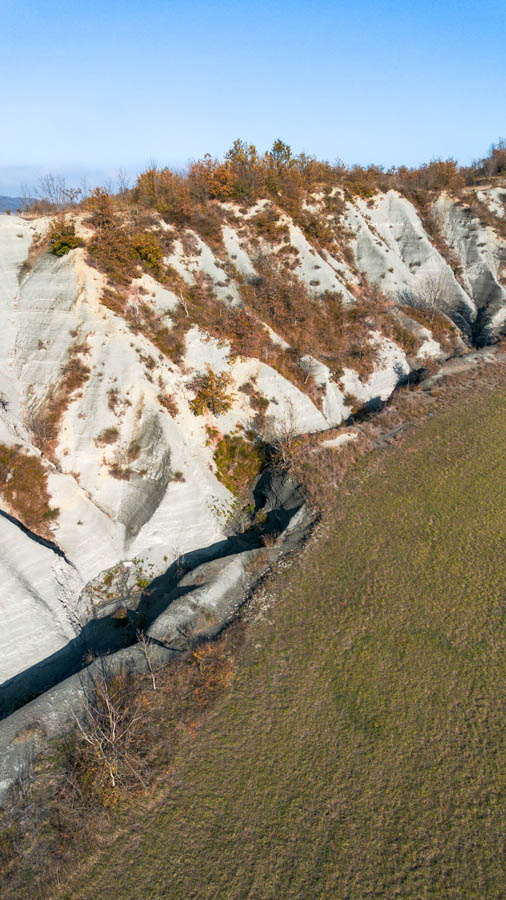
[122, 181]
[134, 312]
[430, 295]
[281, 437]
[433, 292]
[310, 366]
[41, 426]
[85, 189]
[26, 195]
[72, 194]
[146, 644]
[110, 730]
[131, 580]
[54, 192]
[184, 304]
[51, 190]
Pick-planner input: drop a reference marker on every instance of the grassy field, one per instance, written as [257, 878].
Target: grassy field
[360, 752]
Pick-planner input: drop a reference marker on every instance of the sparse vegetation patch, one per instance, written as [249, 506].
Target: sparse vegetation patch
[238, 462]
[63, 237]
[211, 393]
[23, 486]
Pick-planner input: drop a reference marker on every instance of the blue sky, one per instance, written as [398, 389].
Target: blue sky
[94, 85]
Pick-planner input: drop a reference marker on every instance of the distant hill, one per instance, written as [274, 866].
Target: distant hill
[12, 203]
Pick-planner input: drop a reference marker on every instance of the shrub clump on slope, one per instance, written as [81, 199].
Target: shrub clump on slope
[238, 462]
[119, 247]
[211, 393]
[23, 486]
[63, 237]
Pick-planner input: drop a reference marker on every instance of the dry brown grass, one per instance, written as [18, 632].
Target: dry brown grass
[44, 422]
[23, 486]
[168, 401]
[142, 319]
[39, 246]
[320, 470]
[442, 328]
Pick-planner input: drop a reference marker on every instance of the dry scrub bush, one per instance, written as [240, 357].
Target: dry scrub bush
[125, 239]
[119, 245]
[321, 326]
[238, 462]
[211, 393]
[69, 803]
[318, 469]
[491, 166]
[192, 200]
[475, 208]
[44, 422]
[432, 226]
[168, 401]
[23, 486]
[178, 205]
[441, 327]
[257, 401]
[111, 252]
[142, 318]
[266, 223]
[107, 436]
[107, 754]
[337, 335]
[62, 237]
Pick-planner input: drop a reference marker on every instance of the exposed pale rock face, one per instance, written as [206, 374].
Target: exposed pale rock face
[321, 274]
[394, 251]
[38, 592]
[495, 199]
[167, 499]
[483, 255]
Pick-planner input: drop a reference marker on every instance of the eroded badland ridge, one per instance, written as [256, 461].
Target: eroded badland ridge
[156, 344]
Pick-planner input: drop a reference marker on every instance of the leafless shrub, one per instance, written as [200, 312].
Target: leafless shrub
[108, 752]
[145, 643]
[434, 293]
[41, 426]
[281, 435]
[52, 192]
[122, 182]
